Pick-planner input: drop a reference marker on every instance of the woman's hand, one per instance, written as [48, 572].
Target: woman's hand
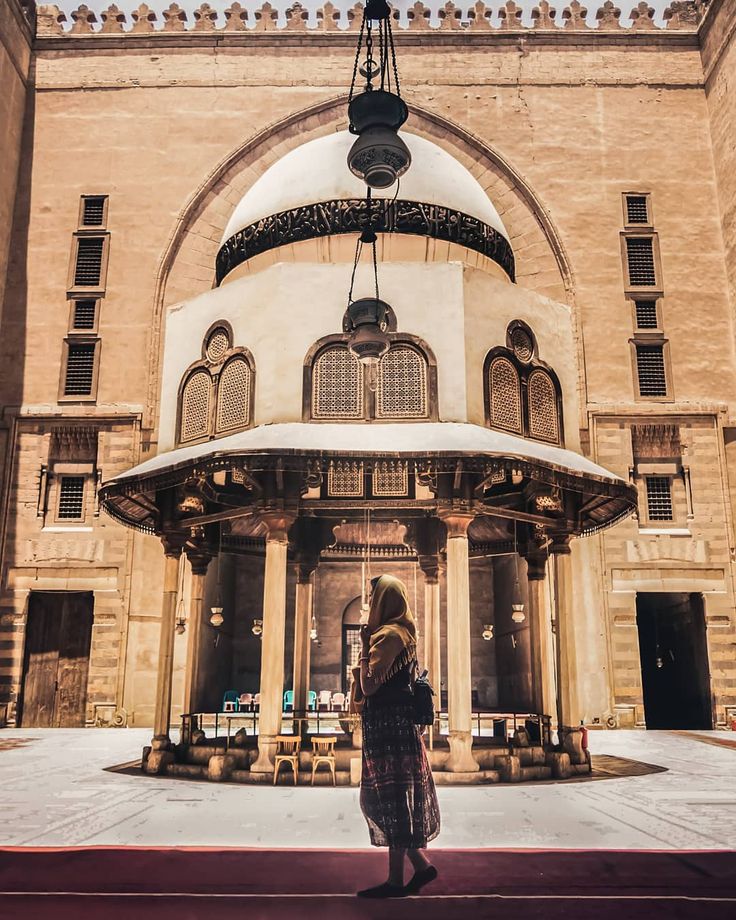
[365, 636]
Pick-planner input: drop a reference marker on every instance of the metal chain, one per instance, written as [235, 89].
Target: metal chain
[357, 60]
[393, 55]
[358, 250]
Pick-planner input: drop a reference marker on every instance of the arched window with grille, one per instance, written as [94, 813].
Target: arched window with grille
[196, 406]
[337, 384]
[216, 394]
[233, 395]
[402, 384]
[504, 396]
[543, 415]
[522, 394]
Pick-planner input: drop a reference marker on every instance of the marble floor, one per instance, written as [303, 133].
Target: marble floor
[57, 789]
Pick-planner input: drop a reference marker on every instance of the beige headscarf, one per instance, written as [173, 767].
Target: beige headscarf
[393, 639]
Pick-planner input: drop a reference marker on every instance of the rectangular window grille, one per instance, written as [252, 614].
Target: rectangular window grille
[71, 498]
[650, 370]
[646, 314]
[80, 369]
[93, 210]
[345, 480]
[637, 211]
[640, 259]
[88, 267]
[352, 646]
[390, 479]
[659, 498]
[84, 314]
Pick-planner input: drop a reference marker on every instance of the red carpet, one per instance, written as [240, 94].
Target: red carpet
[124, 883]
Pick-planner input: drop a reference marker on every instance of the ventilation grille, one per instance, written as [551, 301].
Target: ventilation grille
[195, 406]
[337, 385]
[89, 261]
[543, 421]
[217, 345]
[93, 211]
[80, 369]
[71, 498]
[640, 256]
[637, 211]
[650, 370]
[646, 314]
[233, 396]
[505, 395]
[84, 314]
[659, 498]
[345, 480]
[390, 479]
[402, 384]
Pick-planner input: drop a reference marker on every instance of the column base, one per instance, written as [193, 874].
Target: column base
[160, 755]
[461, 758]
[264, 763]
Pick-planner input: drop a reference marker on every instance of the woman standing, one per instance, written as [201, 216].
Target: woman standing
[397, 794]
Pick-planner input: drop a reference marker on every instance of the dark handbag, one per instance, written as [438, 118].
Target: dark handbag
[423, 700]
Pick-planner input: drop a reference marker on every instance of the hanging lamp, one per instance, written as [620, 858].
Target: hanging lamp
[378, 156]
[517, 604]
[216, 617]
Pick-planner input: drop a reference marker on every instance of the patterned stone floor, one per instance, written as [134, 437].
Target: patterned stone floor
[57, 789]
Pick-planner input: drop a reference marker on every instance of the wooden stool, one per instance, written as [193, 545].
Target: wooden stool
[323, 751]
[287, 751]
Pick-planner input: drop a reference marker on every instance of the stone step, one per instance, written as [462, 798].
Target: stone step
[446, 778]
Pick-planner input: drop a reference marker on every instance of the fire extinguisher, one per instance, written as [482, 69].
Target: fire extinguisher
[584, 735]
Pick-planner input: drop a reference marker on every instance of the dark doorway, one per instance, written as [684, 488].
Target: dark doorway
[56, 659]
[674, 661]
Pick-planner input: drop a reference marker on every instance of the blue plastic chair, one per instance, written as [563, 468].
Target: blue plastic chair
[288, 700]
[231, 701]
[312, 699]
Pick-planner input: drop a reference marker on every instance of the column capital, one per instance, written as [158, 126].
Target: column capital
[277, 524]
[305, 565]
[199, 562]
[173, 544]
[430, 566]
[560, 545]
[456, 521]
[536, 566]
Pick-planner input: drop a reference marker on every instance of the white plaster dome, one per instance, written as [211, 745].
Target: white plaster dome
[317, 171]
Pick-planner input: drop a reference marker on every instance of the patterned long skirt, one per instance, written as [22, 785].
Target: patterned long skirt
[397, 794]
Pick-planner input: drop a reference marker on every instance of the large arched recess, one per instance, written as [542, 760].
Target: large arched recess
[542, 264]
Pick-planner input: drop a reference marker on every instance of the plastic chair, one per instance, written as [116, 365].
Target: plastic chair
[287, 751]
[246, 702]
[323, 751]
[230, 701]
[311, 700]
[257, 702]
[288, 700]
[338, 700]
[324, 701]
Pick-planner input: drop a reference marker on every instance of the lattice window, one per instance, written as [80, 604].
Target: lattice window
[345, 479]
[543, 421]
[646, 314]
[637, 211]
[93, 210]
[71, 498]
[640, 259]
[352, 646]
[659, 498]
[390, 479]
[88, 266]
[218, 343]
[402, 384]
[650, 370]
[80, 369]
[504, 391]
[337, 384]
[196, 400]
[84, 314]
[233, 395]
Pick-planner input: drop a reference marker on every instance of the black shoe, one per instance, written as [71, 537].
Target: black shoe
[420, 879]
[383, 891]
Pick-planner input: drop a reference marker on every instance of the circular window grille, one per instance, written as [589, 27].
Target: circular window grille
[522, 344]
[218, 343]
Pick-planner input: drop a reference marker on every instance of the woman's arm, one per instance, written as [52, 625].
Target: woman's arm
[368, 683]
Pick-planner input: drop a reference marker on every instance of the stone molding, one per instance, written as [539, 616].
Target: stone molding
[437, 19]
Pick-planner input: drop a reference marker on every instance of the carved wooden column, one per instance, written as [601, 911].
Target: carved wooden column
[567, 679]
[302, 638]
[540, 635]
[459, 682]
[160, 753]
[199, 564]
[430, 566]
[274, 633]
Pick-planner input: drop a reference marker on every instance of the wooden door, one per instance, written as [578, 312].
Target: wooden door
[56, 661]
